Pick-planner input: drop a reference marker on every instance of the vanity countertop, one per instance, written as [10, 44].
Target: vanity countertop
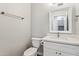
[64, 40]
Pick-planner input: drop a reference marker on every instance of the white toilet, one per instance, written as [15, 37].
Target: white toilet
[32, 51]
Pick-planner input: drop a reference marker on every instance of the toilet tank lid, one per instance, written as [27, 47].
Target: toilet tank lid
[30, 51]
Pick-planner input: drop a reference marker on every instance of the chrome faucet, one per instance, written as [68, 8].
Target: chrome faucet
[58, 35]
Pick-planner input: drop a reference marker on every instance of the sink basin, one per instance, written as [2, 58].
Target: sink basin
[50, 37]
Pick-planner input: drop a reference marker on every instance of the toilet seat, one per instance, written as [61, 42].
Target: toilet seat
[30, 51]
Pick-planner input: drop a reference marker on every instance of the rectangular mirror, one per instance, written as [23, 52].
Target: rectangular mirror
[61, 20]
[59, 23]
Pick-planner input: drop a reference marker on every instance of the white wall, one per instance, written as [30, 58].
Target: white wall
[15, 35]
[39, 19]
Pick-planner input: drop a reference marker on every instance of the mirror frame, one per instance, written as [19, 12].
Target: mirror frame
[70, 19]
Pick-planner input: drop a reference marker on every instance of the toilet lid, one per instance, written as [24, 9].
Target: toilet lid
[30, 51]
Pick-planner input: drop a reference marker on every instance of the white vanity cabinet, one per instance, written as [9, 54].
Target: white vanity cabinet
[59, 49]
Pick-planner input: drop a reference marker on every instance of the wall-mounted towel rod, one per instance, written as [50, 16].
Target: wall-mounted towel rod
[11, 15]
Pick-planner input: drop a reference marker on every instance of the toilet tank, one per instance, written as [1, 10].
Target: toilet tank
[36, 42]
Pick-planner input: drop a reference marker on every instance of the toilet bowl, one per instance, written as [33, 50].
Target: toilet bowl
[32, 51]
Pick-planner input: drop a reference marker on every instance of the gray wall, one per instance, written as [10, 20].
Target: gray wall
[39, 19]
[15, 35]
[77, 22]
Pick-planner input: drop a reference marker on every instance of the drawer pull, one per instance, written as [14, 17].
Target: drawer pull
[59, 53]
[56, 52]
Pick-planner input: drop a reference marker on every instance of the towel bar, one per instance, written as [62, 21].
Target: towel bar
[11, 15]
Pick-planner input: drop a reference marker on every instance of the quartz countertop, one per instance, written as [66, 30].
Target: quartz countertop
[64, 40]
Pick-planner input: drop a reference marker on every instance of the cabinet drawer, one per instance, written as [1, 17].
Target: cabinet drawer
[63, 47]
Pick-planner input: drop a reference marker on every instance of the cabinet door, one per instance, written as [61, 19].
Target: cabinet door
[50, 52]
[69, 49]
